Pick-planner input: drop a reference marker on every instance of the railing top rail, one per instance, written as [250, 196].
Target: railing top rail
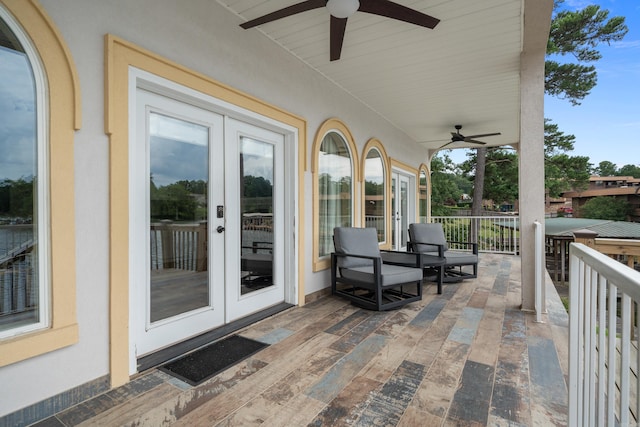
[618, 246]
[625, 278]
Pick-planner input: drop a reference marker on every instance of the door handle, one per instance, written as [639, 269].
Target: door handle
[220, 229]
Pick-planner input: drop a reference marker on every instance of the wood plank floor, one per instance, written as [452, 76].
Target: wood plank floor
[468, 357]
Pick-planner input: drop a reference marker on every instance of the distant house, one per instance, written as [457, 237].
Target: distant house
[625, 187]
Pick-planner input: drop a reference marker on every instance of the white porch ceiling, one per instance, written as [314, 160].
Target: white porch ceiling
[465, 71]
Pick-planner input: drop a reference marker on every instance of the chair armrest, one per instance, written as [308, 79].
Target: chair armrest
[341, 255]
[407, 259]
[440, 247]
[474, 246]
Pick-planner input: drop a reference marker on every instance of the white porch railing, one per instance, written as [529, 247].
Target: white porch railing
[497, 234]
[603, 353]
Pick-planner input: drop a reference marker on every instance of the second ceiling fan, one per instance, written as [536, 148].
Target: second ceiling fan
[341, 10]
[458, 137]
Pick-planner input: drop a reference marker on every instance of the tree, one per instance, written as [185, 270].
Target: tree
[629, 170]
[444, 189]
[611, 208]
[578, 33]
[501, 175]
[561, 171]
[606, 168]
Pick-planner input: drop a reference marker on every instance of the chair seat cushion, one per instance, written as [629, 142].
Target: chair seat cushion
[457, 258]
[391, 274]
[257, 262]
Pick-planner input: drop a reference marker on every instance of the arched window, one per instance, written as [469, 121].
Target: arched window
[335, 173]
[335, 188]
[39, 113]
[375, 188]
[423, 194]
[23, 177]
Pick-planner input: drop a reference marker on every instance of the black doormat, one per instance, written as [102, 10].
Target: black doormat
[197, 367]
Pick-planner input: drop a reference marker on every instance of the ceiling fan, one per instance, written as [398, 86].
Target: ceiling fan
[458, 137]
[341, 10]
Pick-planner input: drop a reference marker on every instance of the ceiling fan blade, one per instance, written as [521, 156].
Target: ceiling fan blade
[283, 13]
[397, 11]
[473, 141]
[481, 135]
[442, 146]
[338, 26]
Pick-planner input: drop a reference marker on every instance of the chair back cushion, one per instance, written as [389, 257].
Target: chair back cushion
[355, 241]
[421, 233]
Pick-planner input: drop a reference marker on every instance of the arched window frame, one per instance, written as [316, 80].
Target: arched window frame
[62, 103]
[331, 125]
[375, 144]
[423, 168]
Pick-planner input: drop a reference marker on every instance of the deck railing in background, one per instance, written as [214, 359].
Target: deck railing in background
[179, 246]
[18, 282]
[497, 234]
[184, 246]
[603, 353]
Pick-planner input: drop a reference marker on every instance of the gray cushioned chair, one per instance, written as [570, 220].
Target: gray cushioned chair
[359, 271]
[429, 239]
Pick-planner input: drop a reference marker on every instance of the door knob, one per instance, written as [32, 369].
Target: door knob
[220, 229]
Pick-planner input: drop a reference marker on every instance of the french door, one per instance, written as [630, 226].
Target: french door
[402, 200]
[206, 221]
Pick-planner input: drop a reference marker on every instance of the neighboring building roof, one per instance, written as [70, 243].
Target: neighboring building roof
[564, 227]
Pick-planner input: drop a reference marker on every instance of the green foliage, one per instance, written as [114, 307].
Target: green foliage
[629, 170]
[606, 168]
[16, 198]
[174, 202]
[561, 171]
[611, 208]
[501, 174]
[445, 185]
[578, 33]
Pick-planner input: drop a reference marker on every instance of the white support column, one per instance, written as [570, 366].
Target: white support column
[537, 19]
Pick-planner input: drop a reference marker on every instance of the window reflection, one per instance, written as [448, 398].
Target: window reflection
[374, 201]
[256, 202]
[334, 189]
[20, 291]
[178, 211]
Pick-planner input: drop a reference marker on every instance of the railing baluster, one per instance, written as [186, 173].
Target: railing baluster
[602, 328]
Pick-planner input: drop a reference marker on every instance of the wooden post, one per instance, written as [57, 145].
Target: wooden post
[166, 233]
[586, 237]
[201, 249]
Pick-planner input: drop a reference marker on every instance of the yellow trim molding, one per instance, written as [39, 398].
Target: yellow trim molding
[120, 56]
[64, 119]
[328, 125]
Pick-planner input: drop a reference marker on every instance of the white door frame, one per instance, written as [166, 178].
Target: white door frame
[398, 175]
[150, 82]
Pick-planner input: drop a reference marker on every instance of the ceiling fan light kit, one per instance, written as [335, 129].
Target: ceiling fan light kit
[343, 8]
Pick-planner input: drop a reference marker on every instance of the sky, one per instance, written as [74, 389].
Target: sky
[607, 122]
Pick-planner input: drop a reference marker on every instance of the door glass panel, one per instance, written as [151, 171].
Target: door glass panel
[394, 213]
[404, 212]
[178, 213]
[256, 209]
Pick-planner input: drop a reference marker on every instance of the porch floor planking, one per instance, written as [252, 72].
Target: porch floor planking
[469, 356]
